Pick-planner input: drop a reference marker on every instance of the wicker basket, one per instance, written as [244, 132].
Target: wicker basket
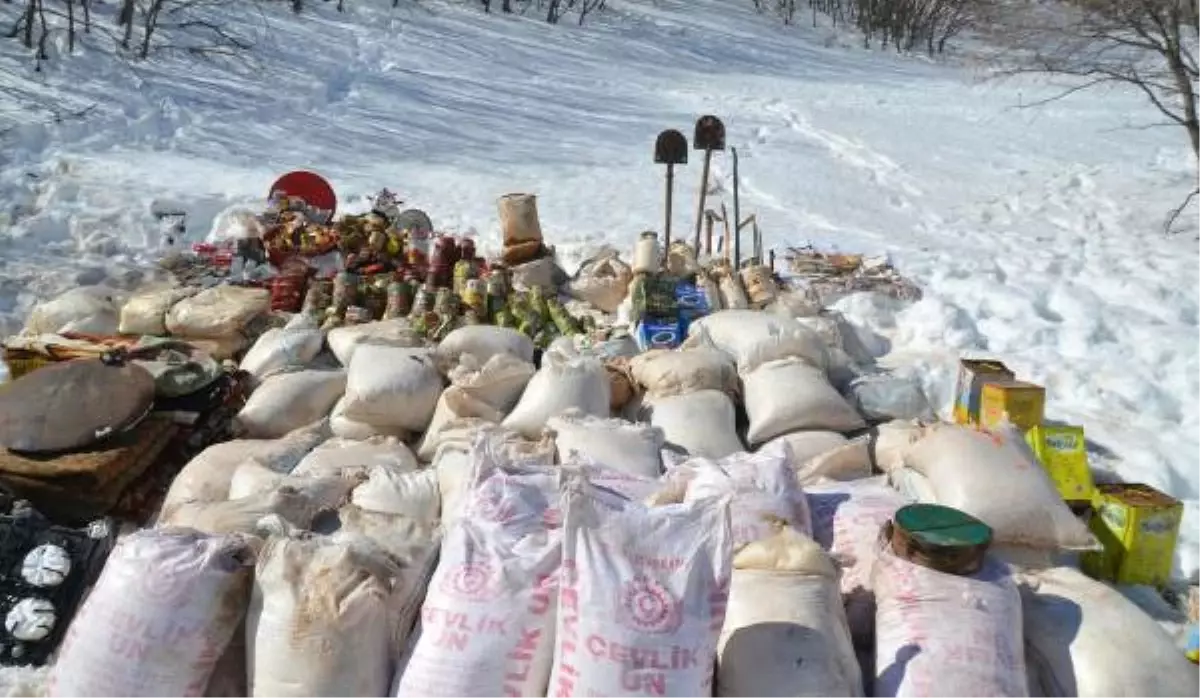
[20, 363]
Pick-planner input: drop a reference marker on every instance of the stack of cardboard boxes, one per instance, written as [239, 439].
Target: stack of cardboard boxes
[1137, 525]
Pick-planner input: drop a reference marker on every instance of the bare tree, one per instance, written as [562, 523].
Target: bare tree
[900, 24]
[1147, 45]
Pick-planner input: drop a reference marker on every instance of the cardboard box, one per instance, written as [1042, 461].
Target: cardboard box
[1062, 451]
[1138, 527]
[1024, 403]
[657, 332]
[972, 375]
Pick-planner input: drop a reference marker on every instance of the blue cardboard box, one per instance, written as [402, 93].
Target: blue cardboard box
[658, 332]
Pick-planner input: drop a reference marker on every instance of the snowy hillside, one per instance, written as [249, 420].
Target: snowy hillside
[1036, 233]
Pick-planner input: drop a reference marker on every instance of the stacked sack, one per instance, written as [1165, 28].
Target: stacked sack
[400, 519]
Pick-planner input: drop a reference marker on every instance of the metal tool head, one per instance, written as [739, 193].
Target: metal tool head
[710, 133]
[670, 148]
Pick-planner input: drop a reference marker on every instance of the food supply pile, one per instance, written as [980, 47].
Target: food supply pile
[359, 457]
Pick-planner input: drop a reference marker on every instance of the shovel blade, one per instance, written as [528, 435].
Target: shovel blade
[710, 133]
[670, 148]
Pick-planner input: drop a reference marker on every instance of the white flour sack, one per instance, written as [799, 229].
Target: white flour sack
[322, 619]
[454, 404]
[560, 384]
[663, 373]
[392, 386]
[413, 494]
[613, 443]
[326, 489]
[790, 395]
[997, 479]
[457, 468]
[847, 518]
[294, 345]
[785, 631]
[482, 342]
[346, 428]
[161, 613]
[487, 625]
[941, 634]
[217, 312]
[702, 423]
[806, 445]
[1084, 638]
[207, 477]
[643, 595]
[517, 493]
[288, 401]
[753, 338]
[762, 488]
[242, 515]
[343, 341]
[497, 382]
[340, 456]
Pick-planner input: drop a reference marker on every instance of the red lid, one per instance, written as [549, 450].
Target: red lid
[310, 187]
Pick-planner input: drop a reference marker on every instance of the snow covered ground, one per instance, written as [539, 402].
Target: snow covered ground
[1036, 233]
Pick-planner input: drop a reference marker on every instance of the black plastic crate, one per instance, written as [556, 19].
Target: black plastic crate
[39, 594]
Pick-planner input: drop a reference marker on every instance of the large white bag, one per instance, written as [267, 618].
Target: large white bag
[487, 625]
[560, 384]
[217, 312]
[753, 338]
[997, 479]
[253, 478]
[790, 395]
[614, 443]
[455, 404]
[392, 386]
[346, 428]
[412, 494]
[826, 455]
[88, 309]
[457, 467]
[207, 477]
[702, 423]
[146, 312]
[161, 613]
[602, 280]
[242, 515]
[398, 332]
[279, 348]
[940, 634]
[643, 595]
[762, 488]
[663, 373]
[806, 445]
[483, 342]
[287, 401]
[1084, 638]
[785, 631]
[322, 619]
[887, 396]
[339, 456]
[497, 382]
[847, 518]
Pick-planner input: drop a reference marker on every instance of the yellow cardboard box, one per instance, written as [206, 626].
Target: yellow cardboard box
[1138, 527]
[972, 375]
[1024, 403]
[1063, 453]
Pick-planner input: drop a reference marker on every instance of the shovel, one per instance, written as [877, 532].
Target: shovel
[737, 219]
[670, 149]
[709, 136]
